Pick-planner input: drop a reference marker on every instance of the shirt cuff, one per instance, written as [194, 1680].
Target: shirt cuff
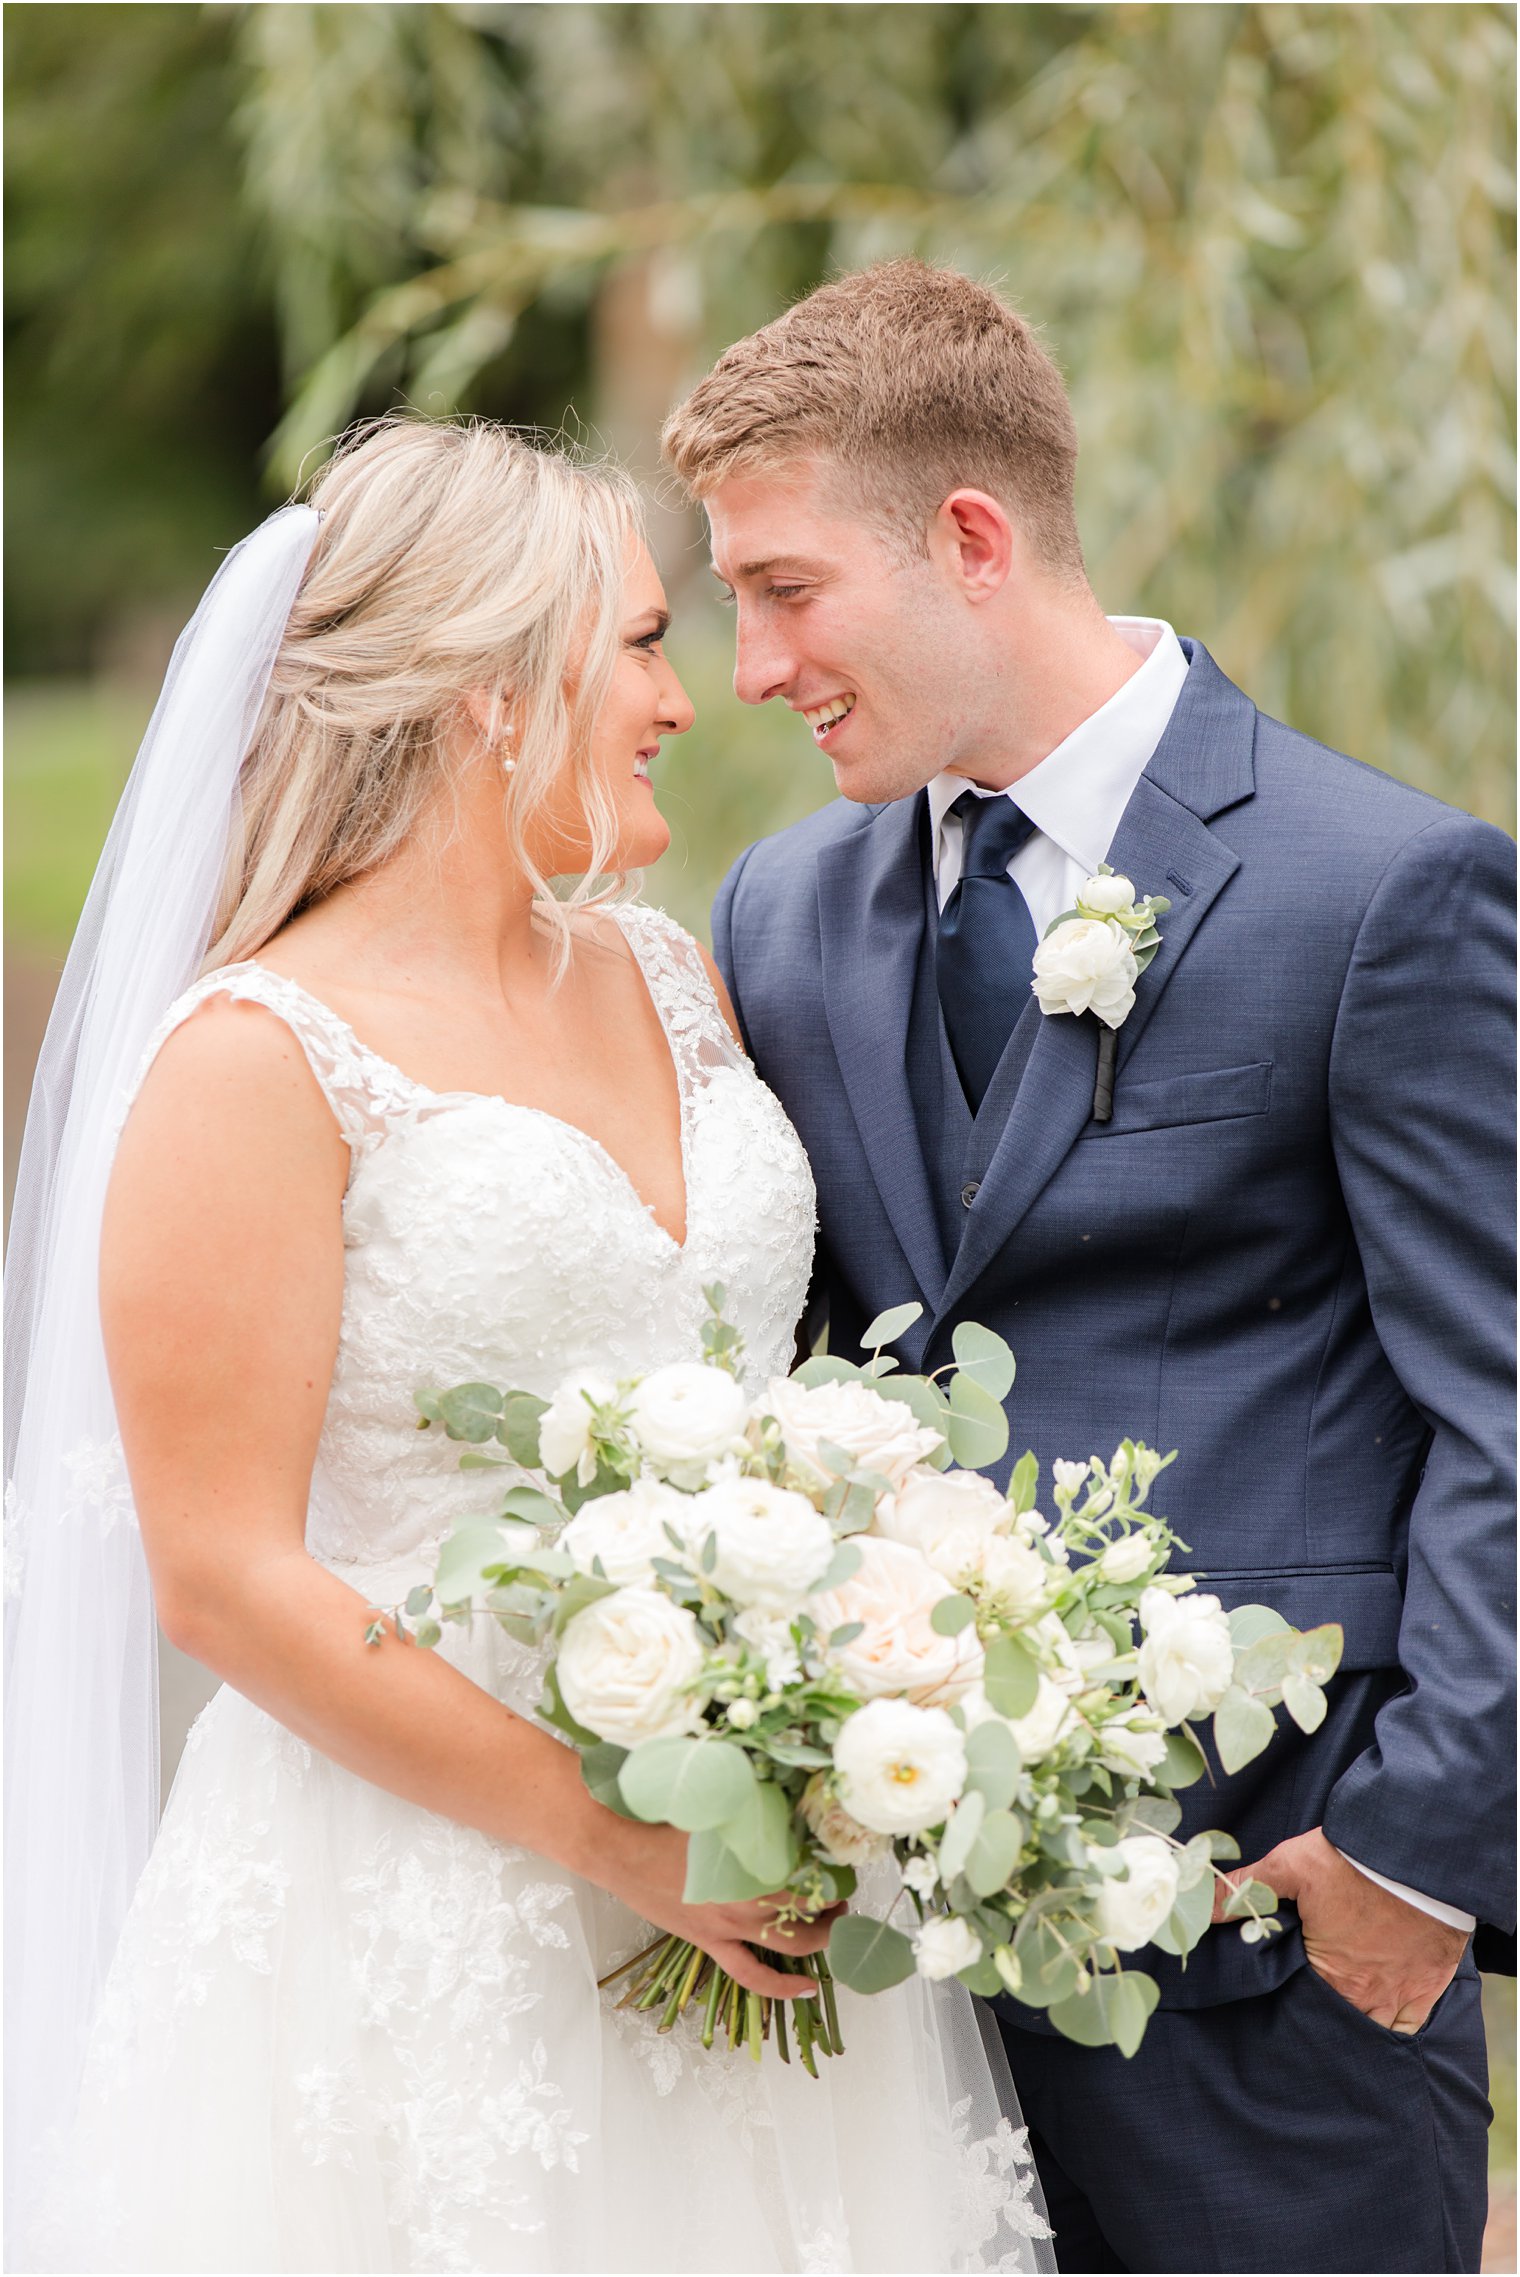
[1452, 1915]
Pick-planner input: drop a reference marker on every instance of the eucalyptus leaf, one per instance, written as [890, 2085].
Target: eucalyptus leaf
[1242, 1728]
[1183, 1762]
[419, 1599]
[995, 1851]
[1303, 1699]
[1249, 1623]
[982, 1978]
[1024, 1483]
[426, 1634]
[760, 1835]
[1320, 1656]
[976, 1426]
[1010, 1677]
[845, 1562]
[846, 1633]
[470, 1412]
[869, 1956]
[1049, 1972]
[690, 1783]
[518, 1429]
[992, 1764]
[714, 1876]
[1188, 1919]
[600, 1766]
[1152, 1814]
[983, 1355]
[826, 1369]
[1113, 2012]
[1248, 1897]
[527, 1503]
[1263, 1665]
[477, 1552]
[962, 1831]
[889, 1325]
[952, 1614]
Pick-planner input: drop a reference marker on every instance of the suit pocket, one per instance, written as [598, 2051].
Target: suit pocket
[1164, 1102]
[1366, 1600]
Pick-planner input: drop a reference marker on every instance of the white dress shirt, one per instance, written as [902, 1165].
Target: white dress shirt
[1076, 798]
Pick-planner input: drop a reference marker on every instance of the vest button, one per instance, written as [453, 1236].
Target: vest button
[970, 1191]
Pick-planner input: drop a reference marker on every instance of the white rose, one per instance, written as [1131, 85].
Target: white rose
[945, 1946]
[1017, 1576]
[564, 1428]
[1130, 1749]
[1045, 1724]
[772, 1545]
[624, 1664]
[921, 1876]
[949, 1517]
[842, 1839]
[1127, 1559]
[625, 1531]
[892, 1594]
[899, 1767]
[770, 1635]
[687, 1415]
[1107, 895]
[880, 1434]
[1187, 1660]
[1087, 965]
[1131, 1911]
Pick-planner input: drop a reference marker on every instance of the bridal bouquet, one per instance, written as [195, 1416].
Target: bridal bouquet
[788, 1626]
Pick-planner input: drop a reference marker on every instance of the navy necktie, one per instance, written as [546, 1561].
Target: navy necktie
[986, 941]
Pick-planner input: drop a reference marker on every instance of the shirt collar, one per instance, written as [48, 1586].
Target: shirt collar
[1078, 793]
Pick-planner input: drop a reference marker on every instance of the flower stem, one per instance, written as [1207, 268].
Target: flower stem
[825, 1976]
[716, 1988]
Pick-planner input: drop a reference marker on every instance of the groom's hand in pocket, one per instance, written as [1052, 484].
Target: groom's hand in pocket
[1386, 1957]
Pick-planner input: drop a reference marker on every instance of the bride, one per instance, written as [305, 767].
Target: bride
[390, 1113]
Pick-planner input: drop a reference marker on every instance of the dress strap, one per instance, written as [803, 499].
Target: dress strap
[364, 1091]
[701, 1041]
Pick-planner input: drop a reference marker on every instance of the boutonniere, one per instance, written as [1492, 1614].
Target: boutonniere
[1090, 959]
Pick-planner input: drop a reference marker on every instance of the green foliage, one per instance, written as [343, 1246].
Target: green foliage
[694, 1784]
[868, 1955]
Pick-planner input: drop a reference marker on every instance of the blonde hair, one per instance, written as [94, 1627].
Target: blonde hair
[915, 381]
[450, 557]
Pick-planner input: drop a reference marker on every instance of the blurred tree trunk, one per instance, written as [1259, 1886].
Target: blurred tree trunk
[646, 345]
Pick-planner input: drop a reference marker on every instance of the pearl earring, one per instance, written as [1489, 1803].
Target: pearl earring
[503, 744]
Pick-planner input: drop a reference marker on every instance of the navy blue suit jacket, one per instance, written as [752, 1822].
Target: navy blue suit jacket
[1289, 1254]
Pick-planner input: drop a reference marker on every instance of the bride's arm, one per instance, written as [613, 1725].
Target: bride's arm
[221, 1296]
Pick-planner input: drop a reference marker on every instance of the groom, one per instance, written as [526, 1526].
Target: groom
[1286, 1252]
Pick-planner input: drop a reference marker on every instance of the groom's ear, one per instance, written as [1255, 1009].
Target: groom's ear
[975, 540]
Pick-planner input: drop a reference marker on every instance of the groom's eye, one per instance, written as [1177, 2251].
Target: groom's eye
[784, 592]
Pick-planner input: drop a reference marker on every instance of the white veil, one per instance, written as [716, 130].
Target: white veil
[81, 1704]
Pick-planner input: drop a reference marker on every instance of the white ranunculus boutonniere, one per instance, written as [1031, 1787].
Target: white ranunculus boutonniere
[1091, 958]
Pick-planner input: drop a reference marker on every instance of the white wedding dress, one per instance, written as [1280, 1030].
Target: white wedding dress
[344, 2034]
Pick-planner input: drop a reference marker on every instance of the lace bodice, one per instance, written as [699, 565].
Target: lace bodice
[491, 1242]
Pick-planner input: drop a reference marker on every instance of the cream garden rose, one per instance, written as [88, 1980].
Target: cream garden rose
[1087, 965]
[949, 1517]
[625, 1532]
[625, 1665]
[841, 1837]
[1132, 1910]
[688, 1415]
[899, 1767]
[891, 1595]
[879, 1434]
[772, 1546]
[1186, 1661]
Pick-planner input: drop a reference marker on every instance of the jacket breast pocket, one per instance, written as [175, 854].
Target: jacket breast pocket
[1164, 1102]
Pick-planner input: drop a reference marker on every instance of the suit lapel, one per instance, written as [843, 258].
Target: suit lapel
[1040, 1100]
[871, 923]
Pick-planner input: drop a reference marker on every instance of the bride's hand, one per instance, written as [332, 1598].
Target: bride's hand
[649, 1873]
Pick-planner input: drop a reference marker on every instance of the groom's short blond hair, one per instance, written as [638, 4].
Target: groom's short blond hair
[914, 381]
